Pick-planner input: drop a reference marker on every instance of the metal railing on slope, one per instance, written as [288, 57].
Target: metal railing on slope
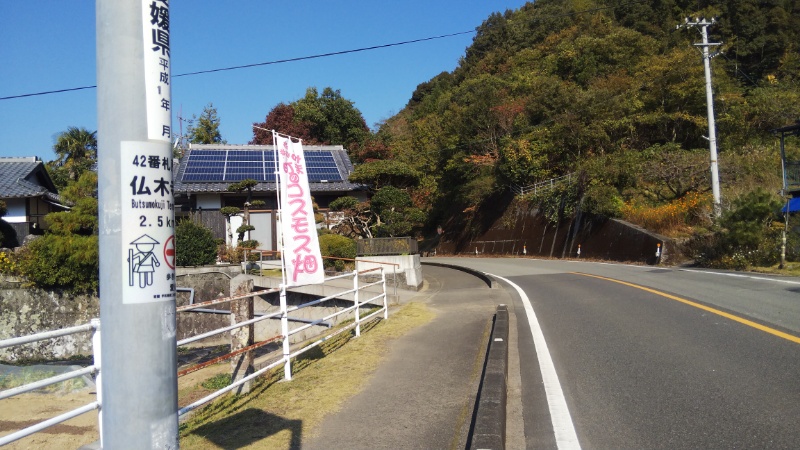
[542, 185]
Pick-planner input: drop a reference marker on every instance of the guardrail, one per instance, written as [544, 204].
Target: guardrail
[358, 292]
[94, 327]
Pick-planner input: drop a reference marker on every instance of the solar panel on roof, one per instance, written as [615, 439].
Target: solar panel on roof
[237, 165]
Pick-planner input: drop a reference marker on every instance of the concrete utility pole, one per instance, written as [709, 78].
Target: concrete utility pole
[712, 133]
[137, 277]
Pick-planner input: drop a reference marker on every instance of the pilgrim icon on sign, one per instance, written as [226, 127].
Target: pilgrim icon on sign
[143, 262]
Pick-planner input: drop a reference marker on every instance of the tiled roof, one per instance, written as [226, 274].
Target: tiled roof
[340, 155]
[24, 177]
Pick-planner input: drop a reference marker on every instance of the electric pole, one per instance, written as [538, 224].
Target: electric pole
[137, 246]
[712, 133]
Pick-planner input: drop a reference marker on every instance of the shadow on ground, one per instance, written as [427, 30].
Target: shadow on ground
[248, 427]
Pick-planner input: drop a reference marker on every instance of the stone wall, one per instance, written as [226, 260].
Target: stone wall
[28, 311]
[207, 283]
[25, 311]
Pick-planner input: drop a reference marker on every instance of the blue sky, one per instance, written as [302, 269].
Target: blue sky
[50, 44]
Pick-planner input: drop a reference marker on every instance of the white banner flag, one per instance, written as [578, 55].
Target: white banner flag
[301, 254]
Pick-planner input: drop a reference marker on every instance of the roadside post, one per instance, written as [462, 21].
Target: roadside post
[136, 220]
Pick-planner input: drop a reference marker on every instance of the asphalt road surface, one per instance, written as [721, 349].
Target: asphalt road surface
[651, 357]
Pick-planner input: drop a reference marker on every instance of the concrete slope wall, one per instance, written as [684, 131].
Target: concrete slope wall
[522, 230]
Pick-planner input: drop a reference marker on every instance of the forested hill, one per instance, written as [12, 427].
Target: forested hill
[608, 89]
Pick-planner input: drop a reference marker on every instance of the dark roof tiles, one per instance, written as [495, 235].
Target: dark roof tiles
[21, 178]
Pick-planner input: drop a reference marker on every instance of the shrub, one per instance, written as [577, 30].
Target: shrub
[7, 264]
[671, 218]
[194, 244]
[55, 261]
[748, 235]
[337, 246]
[603, 200]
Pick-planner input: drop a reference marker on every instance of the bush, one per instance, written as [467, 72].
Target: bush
[603, 200]
[337, 246]
[748, 235]
[672, 218]
[7, 264]
[194, 244]
[55, 261]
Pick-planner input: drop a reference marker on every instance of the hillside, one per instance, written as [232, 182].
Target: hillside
[610, 91]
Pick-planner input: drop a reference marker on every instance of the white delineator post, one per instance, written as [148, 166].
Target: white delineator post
[136, 226]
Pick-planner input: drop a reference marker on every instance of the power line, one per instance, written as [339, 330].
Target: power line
[267, 63]
[321, 55]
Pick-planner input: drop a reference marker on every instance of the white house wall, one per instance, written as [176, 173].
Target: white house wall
[236, 222]
[209, 201]
[17, 210]
[263, 232]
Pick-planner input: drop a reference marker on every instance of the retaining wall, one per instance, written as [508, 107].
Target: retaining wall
[523, 231]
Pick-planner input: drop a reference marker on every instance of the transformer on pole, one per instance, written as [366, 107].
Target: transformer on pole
[712, 133]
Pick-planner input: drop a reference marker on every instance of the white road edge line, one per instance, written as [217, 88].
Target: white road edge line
[564, 429]
[738, 275]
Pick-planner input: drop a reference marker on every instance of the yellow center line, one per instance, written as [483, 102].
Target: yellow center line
[741, 320]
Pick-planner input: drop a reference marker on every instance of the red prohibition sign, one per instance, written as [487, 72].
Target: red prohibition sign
[169, 252]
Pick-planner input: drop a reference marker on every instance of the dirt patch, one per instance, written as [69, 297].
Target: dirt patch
[24, 410]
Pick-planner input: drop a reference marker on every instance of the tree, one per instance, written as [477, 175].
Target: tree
[207, 129]
[379, 173]
[67, 256]
[357, 217]
[394, 212]
[247, 184]
[281, 118]
[228, 212]
[76, 151]
[81, 219]
[321, 119]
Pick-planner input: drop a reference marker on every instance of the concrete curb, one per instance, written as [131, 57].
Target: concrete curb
[489, 429]
[486, 278]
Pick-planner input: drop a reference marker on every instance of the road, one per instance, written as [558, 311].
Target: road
[651, 357]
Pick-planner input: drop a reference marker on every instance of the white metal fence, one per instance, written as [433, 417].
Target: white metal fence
[94, 369]
[364, 294]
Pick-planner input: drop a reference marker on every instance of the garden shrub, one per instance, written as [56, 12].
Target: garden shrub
[62, 261]
[337, 246]
[194, 244]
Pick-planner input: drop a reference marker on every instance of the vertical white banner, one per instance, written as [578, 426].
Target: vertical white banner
[155, 26]
[301, 253]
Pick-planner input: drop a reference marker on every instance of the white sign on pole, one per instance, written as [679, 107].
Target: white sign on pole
[155, 26]
[301, 254]
[148, 218]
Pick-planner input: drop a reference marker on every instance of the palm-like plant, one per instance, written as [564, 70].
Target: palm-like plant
[77, 151]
